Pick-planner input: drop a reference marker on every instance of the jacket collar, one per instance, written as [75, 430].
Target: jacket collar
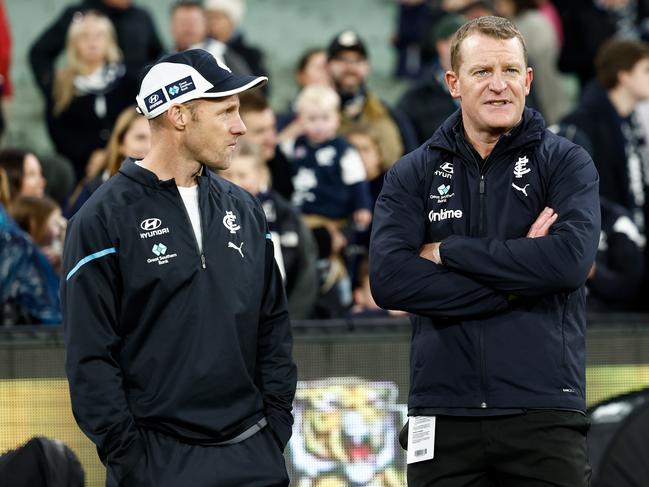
[148, 178]
[530, 130]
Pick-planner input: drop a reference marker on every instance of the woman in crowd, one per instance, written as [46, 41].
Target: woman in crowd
[131, 137]
[41, 218]
[23, 172]
[88, 92]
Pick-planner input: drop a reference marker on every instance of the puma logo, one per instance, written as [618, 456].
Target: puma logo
[231, 245]
[522, 190]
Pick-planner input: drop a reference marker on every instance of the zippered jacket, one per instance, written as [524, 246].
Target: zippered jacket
[160, 335]
[501, 323]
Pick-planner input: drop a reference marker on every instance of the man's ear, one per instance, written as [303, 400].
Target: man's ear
[529, 76]
[453, 83]
[178, 116]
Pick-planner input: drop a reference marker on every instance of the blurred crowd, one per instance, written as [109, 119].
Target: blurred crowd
[318, 166]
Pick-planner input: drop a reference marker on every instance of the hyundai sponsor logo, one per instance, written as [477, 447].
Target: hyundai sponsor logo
[151, 227]
[445, 170]
[154, 100]
[150, 224]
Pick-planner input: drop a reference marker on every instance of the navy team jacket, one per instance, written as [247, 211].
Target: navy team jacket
[501, 324]
[159, 335]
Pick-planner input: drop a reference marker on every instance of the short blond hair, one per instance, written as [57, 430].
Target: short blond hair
[490, 26]
[318, 96]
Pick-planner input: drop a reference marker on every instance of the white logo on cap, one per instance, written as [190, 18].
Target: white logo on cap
[222, 64]
[154, 98]
[348, 38]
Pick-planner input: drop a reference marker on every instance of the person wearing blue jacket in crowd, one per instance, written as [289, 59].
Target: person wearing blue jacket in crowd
[29, 285]
[178, 340]
[486, 234]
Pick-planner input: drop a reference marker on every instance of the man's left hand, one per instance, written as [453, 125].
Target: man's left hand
[430, 251]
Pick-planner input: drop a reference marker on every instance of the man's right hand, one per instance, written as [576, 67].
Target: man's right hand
[541, 227]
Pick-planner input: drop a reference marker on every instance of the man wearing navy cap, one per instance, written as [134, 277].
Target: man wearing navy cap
[176, 325]
[348, 64]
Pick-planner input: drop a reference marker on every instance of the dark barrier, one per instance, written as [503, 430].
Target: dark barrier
[350, 402]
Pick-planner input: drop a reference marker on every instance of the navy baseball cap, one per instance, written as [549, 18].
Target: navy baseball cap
[188, 75]
[346, 41]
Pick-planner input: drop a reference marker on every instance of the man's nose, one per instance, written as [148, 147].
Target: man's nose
[239, 127]
[497, 82]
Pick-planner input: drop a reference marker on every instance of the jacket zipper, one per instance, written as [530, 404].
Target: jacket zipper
[481, 231]
[482, 227]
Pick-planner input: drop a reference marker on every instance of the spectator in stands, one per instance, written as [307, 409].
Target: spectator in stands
[23, 170]
[259, 119]
[295, 248]
[131, 137]
[330, 180]
[189, 31]
[41, 218]
[619, 148]
[428, 103]
[349, 67]
[311, 69]
[330, 184]
[368, 145]
[588, 24]
[89, 91]
[29, 286]
[223, 20]
[366, 142]
[616, 276]
[411, 40]
[136, 36]
[543, 51]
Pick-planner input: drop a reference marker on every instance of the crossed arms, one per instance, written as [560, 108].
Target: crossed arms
[467, 276]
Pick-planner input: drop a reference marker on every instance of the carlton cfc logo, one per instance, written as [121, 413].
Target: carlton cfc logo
[150, 224]
[230, 222]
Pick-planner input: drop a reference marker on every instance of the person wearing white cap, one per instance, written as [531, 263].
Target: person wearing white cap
[175, 319]
[223, 20]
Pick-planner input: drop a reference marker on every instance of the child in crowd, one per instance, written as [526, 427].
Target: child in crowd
[331, 190]
[366, 142]
[330, 180]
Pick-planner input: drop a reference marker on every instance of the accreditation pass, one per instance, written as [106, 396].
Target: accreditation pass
[421, 438]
